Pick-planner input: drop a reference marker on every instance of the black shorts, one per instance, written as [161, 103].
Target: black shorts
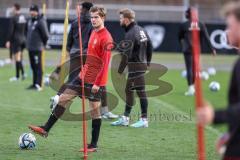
[17, 47]
[93, 97]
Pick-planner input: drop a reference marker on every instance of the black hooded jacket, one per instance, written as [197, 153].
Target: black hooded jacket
[185, 34]
[37, 33]
[17, 29]
[73, 36]
[139, 54]
[231, 116]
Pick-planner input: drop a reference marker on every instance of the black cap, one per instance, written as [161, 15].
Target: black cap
[34, 7]
[87, 5]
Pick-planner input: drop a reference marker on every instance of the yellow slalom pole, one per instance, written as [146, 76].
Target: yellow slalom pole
[43, 51]
[64, 45]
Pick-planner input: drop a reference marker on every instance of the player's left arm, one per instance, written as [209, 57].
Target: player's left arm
[10, 32]
[105, 58]
[44, 31]
[204, 33]
[149, 49]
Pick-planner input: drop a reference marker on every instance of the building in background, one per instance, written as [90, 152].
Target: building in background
[160, 18]
[150, 10]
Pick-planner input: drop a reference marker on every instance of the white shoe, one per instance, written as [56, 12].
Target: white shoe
[54, 101]
[109, 115]
[122, 121]
[13, 79]
[38, 87]
[191, 91]
[142, 123]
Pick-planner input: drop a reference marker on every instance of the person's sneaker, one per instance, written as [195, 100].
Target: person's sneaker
[38, 130]
[109, 115]
[13, 79]
[191, 91]
[142, 123]
[122, 121]
[90, 148]
[38, 87]
[53, 102]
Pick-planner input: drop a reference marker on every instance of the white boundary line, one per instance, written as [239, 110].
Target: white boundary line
[174, 108]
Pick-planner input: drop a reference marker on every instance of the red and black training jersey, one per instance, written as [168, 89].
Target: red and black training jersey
[95, 70]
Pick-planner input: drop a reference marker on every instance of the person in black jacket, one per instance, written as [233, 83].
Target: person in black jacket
[74, 56]
[16, 40]
[137, 58]
[37, 37]
[231, 115]
[185, 39]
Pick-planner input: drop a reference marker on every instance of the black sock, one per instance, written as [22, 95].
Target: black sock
[21, 68]
[96, 125]
[62, 89]
[17, 69]
[51, 121]
[57, 113]
[128, 110]
[144, 106]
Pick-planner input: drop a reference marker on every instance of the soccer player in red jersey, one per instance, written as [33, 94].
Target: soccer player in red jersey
[95, 74]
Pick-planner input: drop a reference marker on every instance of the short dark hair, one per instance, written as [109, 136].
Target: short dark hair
[102, 12]
[17, 6]
[232, 8]
[127, 13]
[87, 5]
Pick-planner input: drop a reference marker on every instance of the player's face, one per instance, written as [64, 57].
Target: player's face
[122, 20]
[97, 21]
[233, 31]
[33, 13]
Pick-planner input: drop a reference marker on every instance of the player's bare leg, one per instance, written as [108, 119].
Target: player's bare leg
[19, 67]
[57, 112]
[106, 114]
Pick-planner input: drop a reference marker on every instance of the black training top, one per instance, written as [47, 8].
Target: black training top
[73, 36]
[185, 35]
[231, 116]
[138, 52]
[37, 33]
[17, 29]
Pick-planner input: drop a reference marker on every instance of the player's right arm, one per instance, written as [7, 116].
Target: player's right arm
[127, 52]
[10, 32]
[70, 38]
[181, 34]
[232, 114]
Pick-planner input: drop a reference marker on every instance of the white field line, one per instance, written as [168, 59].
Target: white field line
[175, 109]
